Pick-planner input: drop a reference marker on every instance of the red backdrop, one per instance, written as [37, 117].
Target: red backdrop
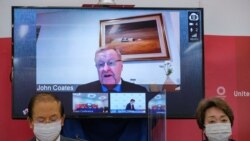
[226, 70]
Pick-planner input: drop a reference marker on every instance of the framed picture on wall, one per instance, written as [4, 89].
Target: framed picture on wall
[138, 38]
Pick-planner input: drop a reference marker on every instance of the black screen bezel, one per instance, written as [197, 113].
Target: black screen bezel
[174, 101]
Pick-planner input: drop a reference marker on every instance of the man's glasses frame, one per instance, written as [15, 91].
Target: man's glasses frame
[110, 63]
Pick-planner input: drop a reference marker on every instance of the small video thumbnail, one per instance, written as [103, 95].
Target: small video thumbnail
[157, 105]
[90, 103]
[130, 103]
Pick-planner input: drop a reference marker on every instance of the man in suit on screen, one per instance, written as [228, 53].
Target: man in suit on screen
[109, 66]
[130, 105]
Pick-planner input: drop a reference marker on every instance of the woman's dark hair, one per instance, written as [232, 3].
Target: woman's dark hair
[44, 97]
[213, 102]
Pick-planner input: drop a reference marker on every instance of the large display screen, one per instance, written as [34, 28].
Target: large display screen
[162, 51]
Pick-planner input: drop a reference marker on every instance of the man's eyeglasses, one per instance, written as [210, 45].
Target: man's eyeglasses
[110, 63]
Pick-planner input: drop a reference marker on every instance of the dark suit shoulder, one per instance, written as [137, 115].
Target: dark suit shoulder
[131, 87]
[90, 87]
[69, 139]
[33, 139]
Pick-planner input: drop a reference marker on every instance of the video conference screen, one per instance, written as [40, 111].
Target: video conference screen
[116, 104]
[162, 51]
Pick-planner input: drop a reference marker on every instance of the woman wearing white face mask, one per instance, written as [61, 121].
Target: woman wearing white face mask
[46, 117]
[215, 118]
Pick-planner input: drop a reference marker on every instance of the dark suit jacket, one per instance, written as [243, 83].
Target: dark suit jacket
[96, 87]
[128, 107]
[107, 129]
[62, 138]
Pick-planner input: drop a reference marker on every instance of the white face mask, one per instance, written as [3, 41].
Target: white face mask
[218, 131]
[47, 131]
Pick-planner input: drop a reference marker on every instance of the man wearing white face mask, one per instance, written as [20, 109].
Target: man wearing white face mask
[215, 118]
[46, 117]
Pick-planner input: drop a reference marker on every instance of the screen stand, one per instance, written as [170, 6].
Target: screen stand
[107, 6]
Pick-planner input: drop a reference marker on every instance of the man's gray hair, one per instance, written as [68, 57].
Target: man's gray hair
[101, 49]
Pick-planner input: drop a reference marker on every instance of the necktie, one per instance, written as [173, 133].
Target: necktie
[110, 91]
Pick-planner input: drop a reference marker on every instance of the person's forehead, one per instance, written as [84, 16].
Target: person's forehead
[47, 108]
[214, 112]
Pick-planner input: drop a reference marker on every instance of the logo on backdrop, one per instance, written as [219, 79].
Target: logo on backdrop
[221, 92]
